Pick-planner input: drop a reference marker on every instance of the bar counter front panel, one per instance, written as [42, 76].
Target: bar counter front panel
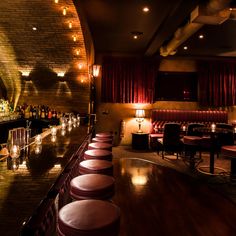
[24, 182]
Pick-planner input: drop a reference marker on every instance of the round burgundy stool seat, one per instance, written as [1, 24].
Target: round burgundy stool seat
[104, 135]
[96, 167]
[89, 218]
[92, 186]
[102, 140]
[230, 152]
[104, 146]
[192, 140]
[98, 154]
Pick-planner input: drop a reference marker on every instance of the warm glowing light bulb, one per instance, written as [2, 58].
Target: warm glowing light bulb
[80, 65]
[64, 11]
[70, 25]
[146, 9]
[56, 1]
[185, 47]
[74, 38]
[77, 52]
[201, 36]
[135, 36]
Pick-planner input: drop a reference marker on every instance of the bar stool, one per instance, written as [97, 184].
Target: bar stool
[102, 140]
[92, 186]
[104, 146]
[230, 152]
[89, 218]
[98, 154]
[192, 145]
[96, 167]
[104, 135]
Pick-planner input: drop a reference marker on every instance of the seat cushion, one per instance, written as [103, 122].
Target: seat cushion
[98, 154]
[105, 146]
[192, 140]
[92, 186]
[229, 151]
[102, 140]
[104, 135]
[96, 167]
[89, 217]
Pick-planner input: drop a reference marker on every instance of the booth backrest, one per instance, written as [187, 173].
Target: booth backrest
[160, 117]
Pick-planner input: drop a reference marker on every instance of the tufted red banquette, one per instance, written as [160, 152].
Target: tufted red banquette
[160, 117]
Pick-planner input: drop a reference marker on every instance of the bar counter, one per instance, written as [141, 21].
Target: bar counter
[26, 181]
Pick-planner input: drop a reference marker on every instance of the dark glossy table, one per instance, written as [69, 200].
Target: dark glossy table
[24, 182]
[212, 142]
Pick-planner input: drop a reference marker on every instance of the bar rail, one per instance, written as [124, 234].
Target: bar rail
[44, 219]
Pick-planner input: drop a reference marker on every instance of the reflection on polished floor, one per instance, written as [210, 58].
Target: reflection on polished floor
[159, 197]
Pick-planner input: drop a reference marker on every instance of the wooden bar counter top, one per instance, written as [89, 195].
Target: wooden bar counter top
[26, 181]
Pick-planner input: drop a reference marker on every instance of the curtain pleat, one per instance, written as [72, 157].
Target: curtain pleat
[128, 80]
[217, 83]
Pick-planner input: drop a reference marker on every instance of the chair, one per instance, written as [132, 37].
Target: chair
[226, 137]
[171, 139]
[192, 141]
[230, 152]
[191, 130]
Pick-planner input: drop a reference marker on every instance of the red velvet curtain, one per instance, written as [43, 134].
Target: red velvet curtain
[217, 83]
[128, 80]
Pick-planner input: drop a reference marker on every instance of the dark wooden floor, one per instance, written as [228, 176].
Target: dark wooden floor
[157, 200]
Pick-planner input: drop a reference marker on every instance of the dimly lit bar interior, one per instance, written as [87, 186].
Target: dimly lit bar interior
[118, 118]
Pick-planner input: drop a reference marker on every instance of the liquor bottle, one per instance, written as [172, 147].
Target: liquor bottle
[34, 112]
[46, 112]
[31, 112]
[49, 114]
[43, 113]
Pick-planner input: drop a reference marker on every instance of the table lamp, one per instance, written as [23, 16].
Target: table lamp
[139, 114]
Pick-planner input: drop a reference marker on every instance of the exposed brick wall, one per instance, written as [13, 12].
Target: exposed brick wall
[43, 52]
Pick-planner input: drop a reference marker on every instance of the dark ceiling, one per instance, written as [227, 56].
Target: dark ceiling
[112, 22]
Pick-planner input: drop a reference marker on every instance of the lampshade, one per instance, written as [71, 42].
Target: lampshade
[140, 113]
[96, 70]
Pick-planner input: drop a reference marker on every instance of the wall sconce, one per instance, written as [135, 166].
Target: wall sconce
[64, 11]
[74, 38]
[80, 66]
[96, 70]
[70, 25]
[61, 74]
[25, 73]
[139, 114]
[77, 52]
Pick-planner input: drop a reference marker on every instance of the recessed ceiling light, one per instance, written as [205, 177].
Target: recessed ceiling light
[146, 9]
[201, 36]
[34, 28]
[136, 34]
[185, 48]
